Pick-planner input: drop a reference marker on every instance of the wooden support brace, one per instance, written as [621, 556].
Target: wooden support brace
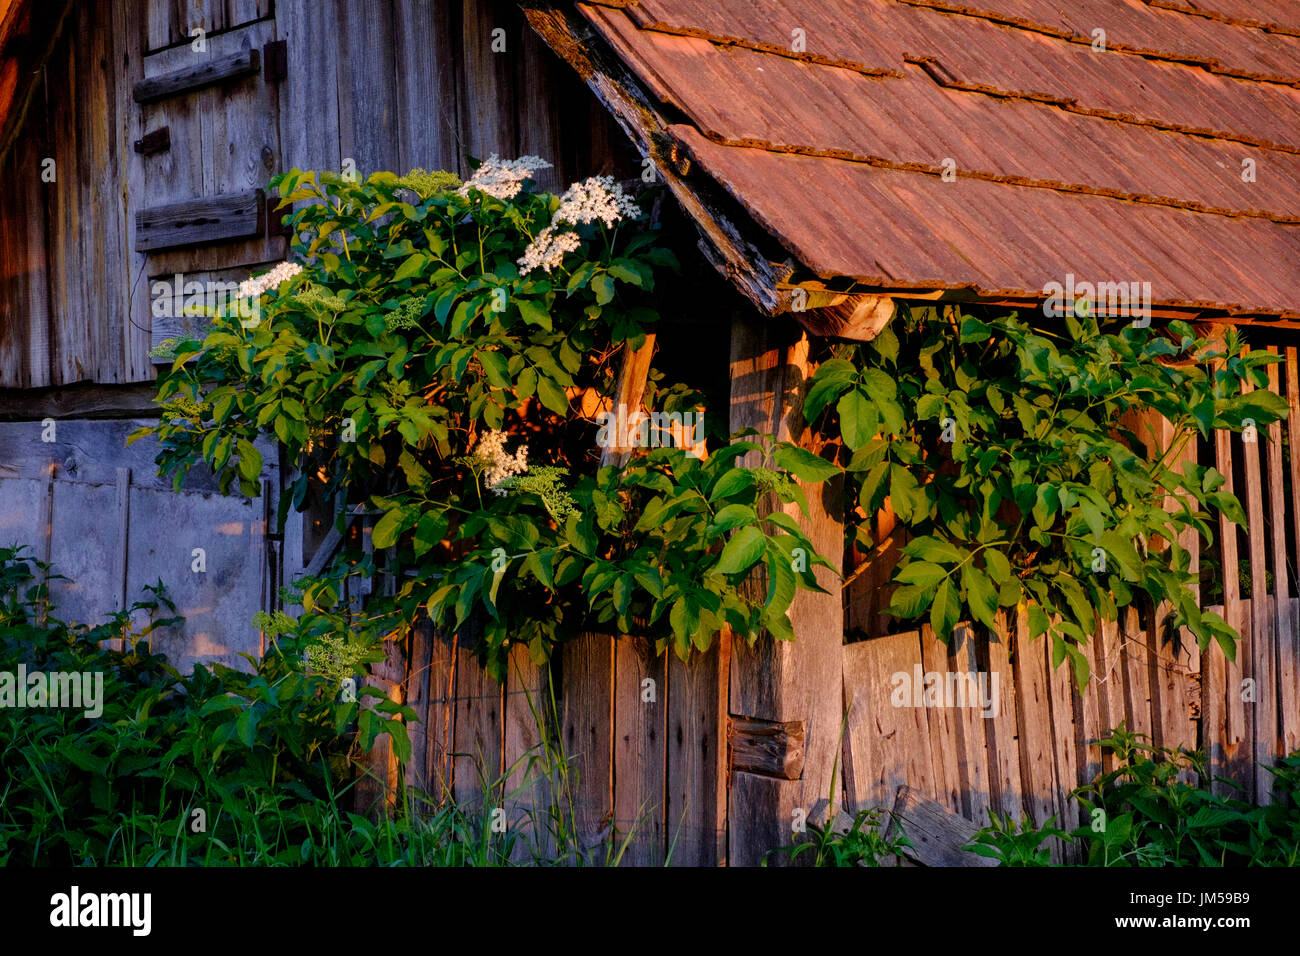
[860, 317]
[631, 390]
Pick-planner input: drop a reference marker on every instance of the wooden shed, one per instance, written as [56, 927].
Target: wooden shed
[832, 160]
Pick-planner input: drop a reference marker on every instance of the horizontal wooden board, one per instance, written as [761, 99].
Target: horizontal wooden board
[195, 221]
[206, 73]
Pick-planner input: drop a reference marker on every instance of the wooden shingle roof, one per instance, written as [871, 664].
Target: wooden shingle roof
[991, 147]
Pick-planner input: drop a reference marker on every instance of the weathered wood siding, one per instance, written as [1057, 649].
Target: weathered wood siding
[368, 85]
[102, 517]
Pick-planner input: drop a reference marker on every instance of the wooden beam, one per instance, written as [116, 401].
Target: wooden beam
[198, 221]
[79, 401]
[768, 747]
[860, 318]
[631, 390]
[775, 680]
[221, 69]
[723, 242]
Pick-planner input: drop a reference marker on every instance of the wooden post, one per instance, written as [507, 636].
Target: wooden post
[123, 544]
[631, 390]
[772, 680]
[1221, 705]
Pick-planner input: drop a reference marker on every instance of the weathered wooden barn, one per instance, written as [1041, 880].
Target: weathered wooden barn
[833, 157]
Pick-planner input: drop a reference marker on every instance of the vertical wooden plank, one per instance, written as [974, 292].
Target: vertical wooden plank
[123, 543]
[103, 198]
[1034, 718]
[26, 241]
[1214, 728]
[1134, 651]
[1239, 737]
[941, 723]
[639, 752]
[367, 87]
[477, 734]
[888, 745]
[440, 725]
[418, 659]
[70, 335]
[131, 282]
[1226, 708]
[486, 81]
[45, 527]
[587, 679]
[1088, 714]
[425, 57]
[538, 106]
[1284, 630]
[367, 102]
[1109, 683]
[1065, 737]
[159, 25]
[1289, 643]
[1169, 657]
[799, 680]
[973, 761]
[696, 814]
[1259, 666]
[309, 114]
[1002, 736]
[1289, 681]
[528, 793]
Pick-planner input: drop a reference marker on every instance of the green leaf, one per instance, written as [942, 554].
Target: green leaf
[410, 267]
[803, 464]
[980, 595]
[250, 460]
[246, 727]
[552, 395]
[603, 286]
[732, 516]
[534, 314]
[945, 610]
[731, 483]
[910, 601]
[930, 548]
[858, 420]
[390, 527]
[921, 573]
[997, 565]
[495, 368]
[740, 553]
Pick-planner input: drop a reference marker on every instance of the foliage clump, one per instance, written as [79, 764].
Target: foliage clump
[418, 336]
[1011, 454]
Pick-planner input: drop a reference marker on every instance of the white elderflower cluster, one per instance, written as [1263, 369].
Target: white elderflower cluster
[500, 465]
[503, 178]
[253, 287]
[596, 199]
[548, 249]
